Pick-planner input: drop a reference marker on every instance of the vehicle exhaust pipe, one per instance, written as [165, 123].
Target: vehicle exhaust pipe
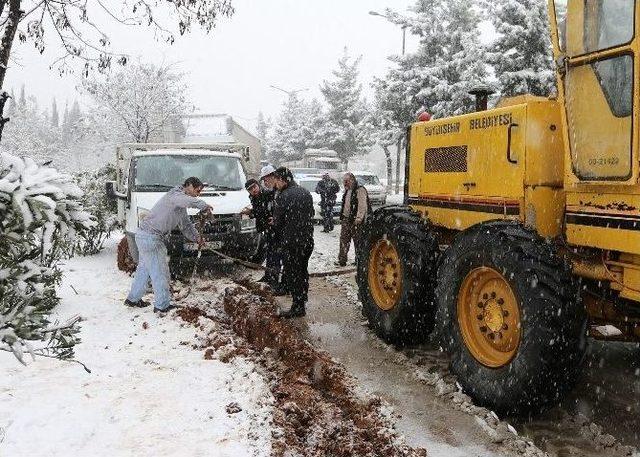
[482, 92]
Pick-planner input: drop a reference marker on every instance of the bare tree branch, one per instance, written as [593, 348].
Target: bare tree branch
[7, 38]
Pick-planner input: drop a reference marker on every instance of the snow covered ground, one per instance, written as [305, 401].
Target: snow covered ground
[325, 252]
[148, 394]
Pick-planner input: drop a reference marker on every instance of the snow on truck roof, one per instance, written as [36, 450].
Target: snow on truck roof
[201, 128]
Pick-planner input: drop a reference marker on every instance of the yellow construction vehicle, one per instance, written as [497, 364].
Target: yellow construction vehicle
[520, 234]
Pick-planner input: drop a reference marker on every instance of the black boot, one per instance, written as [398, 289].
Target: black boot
[136, 304]
[280, 291]
[295, 311]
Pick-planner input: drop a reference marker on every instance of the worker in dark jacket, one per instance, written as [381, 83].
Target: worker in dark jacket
[293, 226]
[356, 207]
[328, 188]
[262, 203]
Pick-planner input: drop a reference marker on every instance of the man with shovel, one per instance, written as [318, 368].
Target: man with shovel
[170, 212]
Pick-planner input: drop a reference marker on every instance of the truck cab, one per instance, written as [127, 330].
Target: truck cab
[147, 172]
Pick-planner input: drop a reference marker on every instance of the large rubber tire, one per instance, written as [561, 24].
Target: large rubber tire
[552, 341]
[411, 319]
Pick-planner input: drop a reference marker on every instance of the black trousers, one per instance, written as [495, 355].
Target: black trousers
[327, 216]
[295, 272]
[268, 249]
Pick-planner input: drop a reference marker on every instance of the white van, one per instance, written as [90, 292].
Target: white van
[377, 192]
[147, 171]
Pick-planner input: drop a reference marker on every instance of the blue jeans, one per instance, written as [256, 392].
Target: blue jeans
[152, 263]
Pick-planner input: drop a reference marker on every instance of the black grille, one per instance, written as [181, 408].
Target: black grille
[448, 159]
[219, 224]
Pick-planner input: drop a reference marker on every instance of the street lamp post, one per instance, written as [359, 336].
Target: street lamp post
[399, 145]
[290, 93]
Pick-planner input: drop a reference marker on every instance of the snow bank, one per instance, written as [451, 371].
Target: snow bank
[149, 392]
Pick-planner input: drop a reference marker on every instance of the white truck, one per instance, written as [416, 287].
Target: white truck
[146, 171]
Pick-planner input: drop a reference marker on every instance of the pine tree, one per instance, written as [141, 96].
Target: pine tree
[262, 127]
[346, 129]
[288, 139]
[30, 133]
[386, 122]
[11, 104]
[75, 114]
[55, 120]
[314, 120]
[521, 55]
[463, 64]
[65, 120]
[23, 99]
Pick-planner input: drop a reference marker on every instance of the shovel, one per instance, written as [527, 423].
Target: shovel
[195, 264]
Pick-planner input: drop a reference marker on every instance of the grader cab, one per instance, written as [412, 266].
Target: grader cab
[520, 234]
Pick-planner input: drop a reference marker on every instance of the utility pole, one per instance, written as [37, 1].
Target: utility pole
[401, 137]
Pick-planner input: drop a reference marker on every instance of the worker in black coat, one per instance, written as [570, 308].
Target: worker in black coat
[293, 227]
[262, 204]
[328, 189]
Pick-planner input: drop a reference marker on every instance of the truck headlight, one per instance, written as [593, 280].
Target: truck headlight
[247, 225]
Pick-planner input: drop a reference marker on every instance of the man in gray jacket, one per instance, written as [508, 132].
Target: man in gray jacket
[170, 212]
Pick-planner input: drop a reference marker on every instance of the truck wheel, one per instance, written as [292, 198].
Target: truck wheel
[509, 314]
[396, 271]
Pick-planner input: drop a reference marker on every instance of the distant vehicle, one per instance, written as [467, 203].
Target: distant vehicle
[145, 172]
[377, 191]
[306, 172]
[323, 160]
[310, 183]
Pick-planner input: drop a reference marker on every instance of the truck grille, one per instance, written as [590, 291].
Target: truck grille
[219, 224]
[448, 159]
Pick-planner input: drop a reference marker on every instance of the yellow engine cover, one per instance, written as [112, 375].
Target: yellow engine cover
[506, 163]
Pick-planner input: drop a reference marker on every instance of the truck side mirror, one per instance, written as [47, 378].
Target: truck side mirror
[112, 193]
[110, 189]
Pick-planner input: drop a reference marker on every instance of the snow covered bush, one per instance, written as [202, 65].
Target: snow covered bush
[103, 209]
[40, 215]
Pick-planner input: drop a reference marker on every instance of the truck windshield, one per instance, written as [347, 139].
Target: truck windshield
[158, 173]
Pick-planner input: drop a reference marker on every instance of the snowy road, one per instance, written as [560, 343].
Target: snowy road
[580, 426]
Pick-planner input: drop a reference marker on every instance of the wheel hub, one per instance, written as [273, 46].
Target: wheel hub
[385, 274]
[492, 316]
[489, 317]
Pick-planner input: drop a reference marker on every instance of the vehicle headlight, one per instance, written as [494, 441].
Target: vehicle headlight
[143, 213]
[247, 224]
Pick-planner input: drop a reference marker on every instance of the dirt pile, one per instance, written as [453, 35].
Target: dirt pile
[316, 411]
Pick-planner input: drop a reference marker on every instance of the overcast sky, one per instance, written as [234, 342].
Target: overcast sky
[293, 44]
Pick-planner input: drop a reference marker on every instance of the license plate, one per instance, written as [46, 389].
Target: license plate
[207, 245]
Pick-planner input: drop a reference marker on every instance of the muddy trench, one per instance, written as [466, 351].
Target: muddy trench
[337, 387]
[316, 409]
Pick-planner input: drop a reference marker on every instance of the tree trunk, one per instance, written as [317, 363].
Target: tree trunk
[387, 155]
[398, 156]
[7, 39]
